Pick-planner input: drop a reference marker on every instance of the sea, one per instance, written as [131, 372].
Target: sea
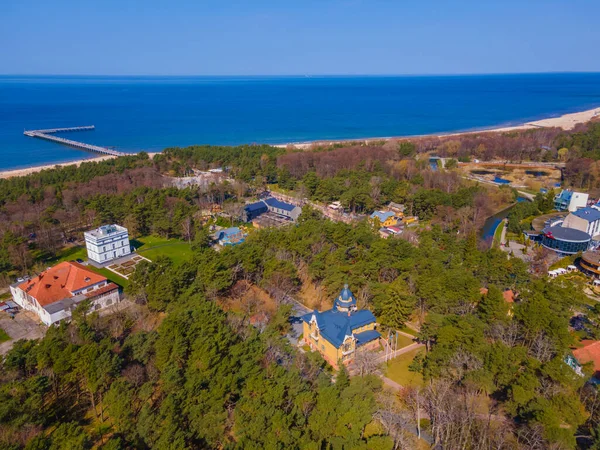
[133, 114]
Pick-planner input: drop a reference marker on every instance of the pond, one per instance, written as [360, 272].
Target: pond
[490, 225]
[537, 173]
[482, 172]
[501, 180]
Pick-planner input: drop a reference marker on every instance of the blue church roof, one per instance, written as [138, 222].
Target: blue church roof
[367, 336]
[346, 298]
[335, 325]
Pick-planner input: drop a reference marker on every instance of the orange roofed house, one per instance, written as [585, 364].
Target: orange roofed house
[54, 293]
[589, 352]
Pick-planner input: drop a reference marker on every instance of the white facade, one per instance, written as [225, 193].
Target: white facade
[578, 200]
[585, 219]
[107, 243]
[62, 309]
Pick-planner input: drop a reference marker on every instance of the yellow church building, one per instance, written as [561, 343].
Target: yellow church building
[338, 332]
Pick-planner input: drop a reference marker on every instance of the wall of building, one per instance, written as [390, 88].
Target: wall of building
[109, 247]
[30, 304]
[572, 221]
[330, 353]
[578, 200]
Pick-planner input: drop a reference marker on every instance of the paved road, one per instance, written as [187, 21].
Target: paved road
[298, 310]
[25, 325]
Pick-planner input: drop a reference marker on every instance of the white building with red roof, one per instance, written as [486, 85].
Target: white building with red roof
[54, 293]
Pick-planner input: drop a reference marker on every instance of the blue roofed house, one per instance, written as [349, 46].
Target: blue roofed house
[569, 200]
[283, 209]
[340, 331]
[230, 236]
[386, 218]
[253, 210]
[585, 219]
[272, 205]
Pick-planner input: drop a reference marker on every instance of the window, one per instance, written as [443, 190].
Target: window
[322, 347]
[109, 302]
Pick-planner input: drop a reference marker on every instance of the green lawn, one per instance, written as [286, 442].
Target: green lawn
[152, 247]
[3, 336]
[409, 330]
[69, 254]
[397, 370]
[111, 276]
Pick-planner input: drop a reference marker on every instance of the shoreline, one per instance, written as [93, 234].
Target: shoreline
[12, 173]
[565, 121]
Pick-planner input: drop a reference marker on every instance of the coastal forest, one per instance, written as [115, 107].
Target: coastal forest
[203, 359]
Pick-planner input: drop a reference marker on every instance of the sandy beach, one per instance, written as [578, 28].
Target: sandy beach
[28, 170]
[566, 122]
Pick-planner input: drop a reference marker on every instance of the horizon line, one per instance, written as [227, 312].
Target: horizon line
[299, 75]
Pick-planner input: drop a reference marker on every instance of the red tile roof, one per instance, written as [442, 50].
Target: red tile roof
[509, 296]
[59, 282]
[589, 352]
[103, 290]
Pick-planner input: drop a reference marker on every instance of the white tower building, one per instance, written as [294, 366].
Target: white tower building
[107, 243]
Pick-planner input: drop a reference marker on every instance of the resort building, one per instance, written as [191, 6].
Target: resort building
[107, 243]
[585, 219]
[590, 263]
[253, 210]
[56, 292]
[338, 333]
[569, 200]
[565, 241]
[274, 206]
[386, 218]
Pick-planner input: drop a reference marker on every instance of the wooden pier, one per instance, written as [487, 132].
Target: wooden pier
[49, 136]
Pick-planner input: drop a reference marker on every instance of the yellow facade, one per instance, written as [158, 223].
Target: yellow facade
[330, 353]
[390, 221]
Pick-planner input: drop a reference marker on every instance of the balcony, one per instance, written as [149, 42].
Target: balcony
[347, 352]
[315, 337]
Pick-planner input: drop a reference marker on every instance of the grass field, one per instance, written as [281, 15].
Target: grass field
[403, 341]
[69, 254]
[3, 336]
[152, 247]
[397, 370]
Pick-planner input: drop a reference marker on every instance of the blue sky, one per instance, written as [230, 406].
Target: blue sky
[284, 37]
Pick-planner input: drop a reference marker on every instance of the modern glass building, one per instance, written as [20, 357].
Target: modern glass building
[567, 241]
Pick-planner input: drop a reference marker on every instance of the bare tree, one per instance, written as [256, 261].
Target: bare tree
[187, 226]
[395, 421]
[366, 362]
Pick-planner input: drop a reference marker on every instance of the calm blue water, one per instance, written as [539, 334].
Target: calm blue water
[152, 113]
